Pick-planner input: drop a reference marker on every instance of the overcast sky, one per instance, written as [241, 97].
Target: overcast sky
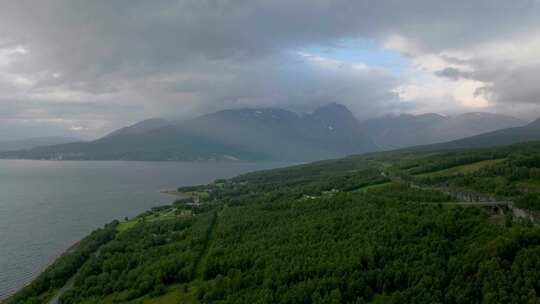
[82, 68]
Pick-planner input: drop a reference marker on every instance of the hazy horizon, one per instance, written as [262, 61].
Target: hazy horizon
[175, 118]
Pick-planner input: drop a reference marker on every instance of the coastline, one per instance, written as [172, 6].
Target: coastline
[172, 195]
[53, 260]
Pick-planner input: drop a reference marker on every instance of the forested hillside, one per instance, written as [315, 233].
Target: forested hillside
[427, 227]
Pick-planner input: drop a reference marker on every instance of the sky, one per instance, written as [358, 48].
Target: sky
[83, 68]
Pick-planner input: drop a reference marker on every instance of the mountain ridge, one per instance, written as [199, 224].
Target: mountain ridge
[527, 133]
[256, 134]
[243, 134]
[29, 143]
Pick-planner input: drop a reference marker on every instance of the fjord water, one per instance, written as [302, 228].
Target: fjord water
[47, 206]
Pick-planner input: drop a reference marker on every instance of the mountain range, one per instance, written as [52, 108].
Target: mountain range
[394, 132]
[242, 134]
[270, 134]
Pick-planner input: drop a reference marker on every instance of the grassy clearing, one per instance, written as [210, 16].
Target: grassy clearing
[187, 194]
[164, 215]
[199, 194]
[463, 169]
[371, 187]
[124, 226]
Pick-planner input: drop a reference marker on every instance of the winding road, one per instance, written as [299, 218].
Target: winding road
[471, 199]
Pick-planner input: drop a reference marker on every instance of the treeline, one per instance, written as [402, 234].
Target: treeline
[143, 260]
[361, 248]
[449, 160]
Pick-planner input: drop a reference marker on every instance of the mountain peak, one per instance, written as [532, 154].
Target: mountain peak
[333, 111]
[267, 114]
[332, 108]
[335, 115]
[140, 127]
[534, 124]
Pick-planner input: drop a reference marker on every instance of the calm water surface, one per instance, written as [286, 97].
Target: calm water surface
[47, 206]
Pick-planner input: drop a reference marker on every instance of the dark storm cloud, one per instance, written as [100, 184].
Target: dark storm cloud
[515, 85]
[148, 34]
[169, 57]
[453, 73]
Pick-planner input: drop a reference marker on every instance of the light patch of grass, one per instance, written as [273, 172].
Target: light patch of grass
[169, 214]
[200, 194]
[464, 169]
[160, 217]
[370, 187]
[124, 226]
[187, 194]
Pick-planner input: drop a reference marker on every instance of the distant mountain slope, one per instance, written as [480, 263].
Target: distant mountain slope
[30, 143]
[392, 132]
[244, 134]
[141, 127]
[530, 132]
[269, 134]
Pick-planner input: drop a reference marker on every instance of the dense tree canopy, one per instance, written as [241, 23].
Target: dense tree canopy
[365, 229]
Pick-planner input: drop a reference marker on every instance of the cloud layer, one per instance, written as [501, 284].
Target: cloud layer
[86, 67]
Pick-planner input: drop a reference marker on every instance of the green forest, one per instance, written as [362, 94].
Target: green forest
[393, 227]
